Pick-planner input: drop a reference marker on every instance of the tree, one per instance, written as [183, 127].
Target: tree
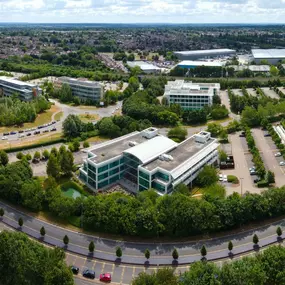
[207, 176]
[147, 254]
[28, 156]
[119, 252]
[72, 126]
[76, 145]
[86, 144]
[45, 154]
[4, 159]
[223, 136]
[20, 222]
[203, 251]
[19, 155]
[37, 155]
[91, 246]
[214, 129]
[230, 246]
[42, 231]
[2, 212]
[270, 177]
[222, 155]
[279, 231]
[66, 240]
[255, 239]
[53, 167]
[177, 134]
[175, 254]
[66, 163]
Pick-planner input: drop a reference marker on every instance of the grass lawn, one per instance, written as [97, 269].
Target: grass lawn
[86, 118]
[41, 119]
[58, 116]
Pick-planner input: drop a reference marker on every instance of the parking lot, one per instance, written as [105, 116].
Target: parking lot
[121, 274]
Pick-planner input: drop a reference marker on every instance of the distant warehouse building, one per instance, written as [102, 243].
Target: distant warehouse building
[190, 96]
[26, 91]
[144, 160]
[200, 54]
[273, 56]
[189, 64]
[82, 88]
[144, 66]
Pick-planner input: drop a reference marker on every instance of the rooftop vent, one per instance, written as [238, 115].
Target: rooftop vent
[150, 133]
[165, 157]
[202, 137]
[132, 143]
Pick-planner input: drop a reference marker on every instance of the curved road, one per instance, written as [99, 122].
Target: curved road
[133, 252]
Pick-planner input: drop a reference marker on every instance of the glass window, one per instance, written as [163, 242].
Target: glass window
[115, 163]
[102, 184]
[158, 187]
[114, 171]
[162, 176]
[144, 175]
[114, 179]
[103, 176]
[103, 168]
[144, 183]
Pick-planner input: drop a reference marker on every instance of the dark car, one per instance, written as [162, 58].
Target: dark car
[13, 133]
[267, 135]
[53, 122]
[20, 131]
[46, 131]
[29, 134]
[53, 130]
[6, 134]
[36, 132]
[256, 180]
[74, 270]
[88, 273]
[242, 135]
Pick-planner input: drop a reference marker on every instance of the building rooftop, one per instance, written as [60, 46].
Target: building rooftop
[199, 63]
[151, 148]
[79, 81]
[259, 68]
[268, 53]
[16, 81]
[143, 65]
[205, 52]
[182, 155]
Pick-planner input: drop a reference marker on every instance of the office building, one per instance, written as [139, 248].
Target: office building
[144, 66]
[26, 91]
[82, 88]
[272, 56]
[189, 64]
[190, 96]
[144, 160]
[201, 54]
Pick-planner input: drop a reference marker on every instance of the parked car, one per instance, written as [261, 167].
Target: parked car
[252, 172]
[29, 134]
[53, 130]
[6, 134]
[225, 179]
[45, 131]
[256, 180]
[277, 154]
[13, 133]
[36, 132]
[242, 135]
[54, 122]
[89, 273]
[4, 138]
[20, 131]
[21, 135]
[267, 135]
[282, 163]
[220, 177]
[106, 277]
[74, 269]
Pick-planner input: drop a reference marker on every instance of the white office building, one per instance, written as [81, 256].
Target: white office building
[144, 160]
[272, 56]
[189, 95]
[26, 91]
[202, 54]
[82, 88]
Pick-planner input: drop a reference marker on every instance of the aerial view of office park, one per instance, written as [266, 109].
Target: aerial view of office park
[142, 142]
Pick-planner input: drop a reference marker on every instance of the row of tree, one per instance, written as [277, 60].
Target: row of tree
[264, 268]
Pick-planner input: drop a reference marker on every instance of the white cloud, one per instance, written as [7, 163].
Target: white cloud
[190, 11]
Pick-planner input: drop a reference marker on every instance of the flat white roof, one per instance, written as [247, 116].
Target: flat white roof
[268, 53]
[151, 148]
[199, 63]
[259, 68]
[143, 65]
[16, 81]
[206, 51]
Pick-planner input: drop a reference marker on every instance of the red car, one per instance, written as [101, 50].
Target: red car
[106, 277]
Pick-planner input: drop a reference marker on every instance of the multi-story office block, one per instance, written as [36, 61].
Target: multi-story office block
[25, 91]
[148, 160]
[84, 89]
[190, 96]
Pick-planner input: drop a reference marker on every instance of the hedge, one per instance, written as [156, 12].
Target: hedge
[233, 179]
[21, 148]
[262, 183]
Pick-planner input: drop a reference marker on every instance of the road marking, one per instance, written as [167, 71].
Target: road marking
[122, 275]
[94, 263]
[103, 267]
[133, 275]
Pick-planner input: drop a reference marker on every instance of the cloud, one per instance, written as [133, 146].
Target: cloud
[190, 11]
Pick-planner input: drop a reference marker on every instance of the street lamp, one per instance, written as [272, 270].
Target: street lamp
[241, 179]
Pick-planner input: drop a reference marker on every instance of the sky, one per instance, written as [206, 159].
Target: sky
[143, 11]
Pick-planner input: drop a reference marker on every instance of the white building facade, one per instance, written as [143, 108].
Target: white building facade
[148, 160]
[190, 96]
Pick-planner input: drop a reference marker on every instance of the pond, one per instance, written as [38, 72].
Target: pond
[71, 193]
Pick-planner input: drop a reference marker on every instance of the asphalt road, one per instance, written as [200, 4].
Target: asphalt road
[133, 252]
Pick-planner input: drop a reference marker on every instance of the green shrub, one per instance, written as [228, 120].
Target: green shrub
[233, 179]
[262, 183]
